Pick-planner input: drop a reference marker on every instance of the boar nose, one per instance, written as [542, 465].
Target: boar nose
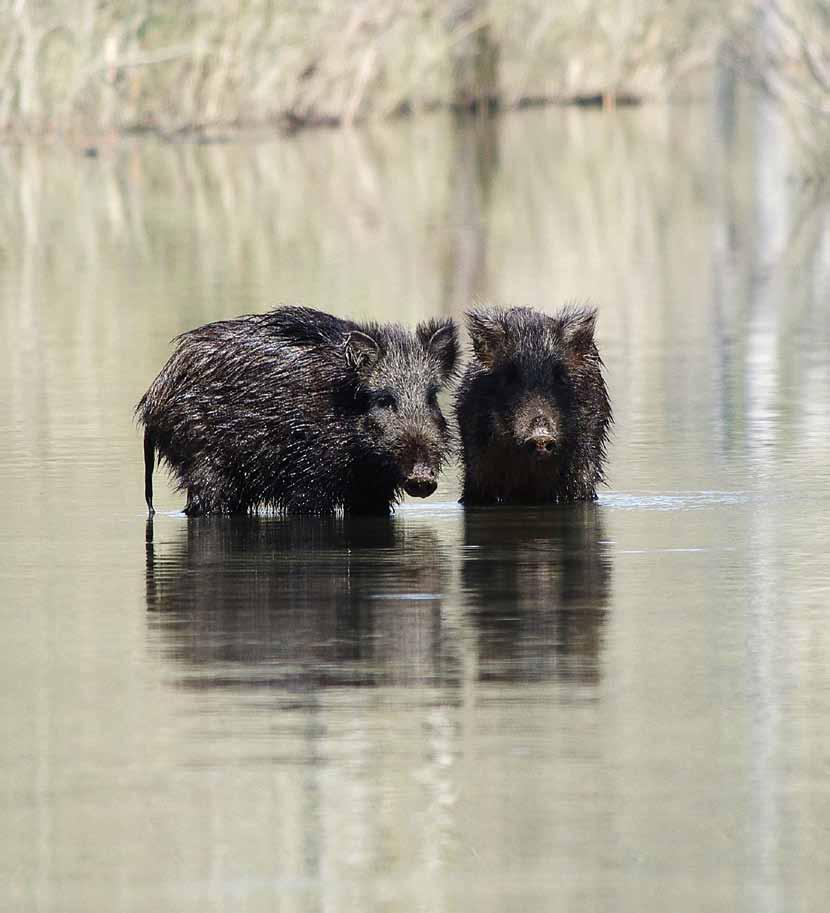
[541, 443]
[421, 482]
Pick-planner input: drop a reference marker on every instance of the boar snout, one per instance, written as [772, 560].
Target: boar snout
[421, 482]
[541, 444]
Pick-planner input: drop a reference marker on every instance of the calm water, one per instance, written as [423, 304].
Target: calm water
[614, 707]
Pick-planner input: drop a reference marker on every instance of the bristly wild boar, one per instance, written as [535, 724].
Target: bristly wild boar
[297, 410]
[532, 407]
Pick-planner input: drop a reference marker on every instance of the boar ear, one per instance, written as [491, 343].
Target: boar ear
[361, 351]
[488, 335]
[440, 339]
[578, 331]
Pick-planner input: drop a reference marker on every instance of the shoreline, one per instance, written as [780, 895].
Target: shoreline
[291, 124]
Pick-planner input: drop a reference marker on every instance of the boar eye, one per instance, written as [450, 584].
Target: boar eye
[385, 401]
[432, 396]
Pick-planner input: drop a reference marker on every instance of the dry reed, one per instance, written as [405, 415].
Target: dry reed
[178, 65]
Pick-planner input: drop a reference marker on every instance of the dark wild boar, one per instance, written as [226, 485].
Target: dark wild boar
[532, 408]
[300, 411]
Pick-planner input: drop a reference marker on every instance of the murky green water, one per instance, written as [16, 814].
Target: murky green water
[614, 707]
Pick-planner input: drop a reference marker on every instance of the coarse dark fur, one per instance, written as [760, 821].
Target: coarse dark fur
[532, 408]
[300, 411]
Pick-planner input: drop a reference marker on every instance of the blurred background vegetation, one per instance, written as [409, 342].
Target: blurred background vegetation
[178, 66]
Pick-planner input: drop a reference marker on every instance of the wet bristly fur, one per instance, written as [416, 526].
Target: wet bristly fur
[529, 371]
[299, 410]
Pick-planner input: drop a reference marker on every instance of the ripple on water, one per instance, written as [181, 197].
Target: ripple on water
[670, 501]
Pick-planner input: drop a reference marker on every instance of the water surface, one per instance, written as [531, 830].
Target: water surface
[607, 707]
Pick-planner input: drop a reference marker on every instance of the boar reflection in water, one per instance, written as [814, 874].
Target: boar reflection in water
[306, 603]
[538, 583]
[299, 602]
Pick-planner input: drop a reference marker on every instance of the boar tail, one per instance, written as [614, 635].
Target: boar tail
[149, 460]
